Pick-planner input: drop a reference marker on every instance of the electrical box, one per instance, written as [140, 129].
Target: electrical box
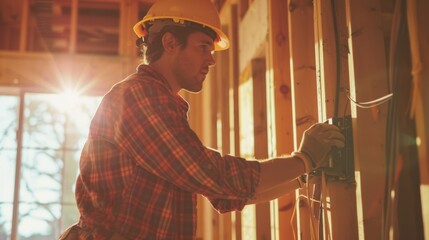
[341, 160]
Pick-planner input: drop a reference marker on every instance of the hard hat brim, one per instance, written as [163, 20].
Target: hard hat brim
[221, 43]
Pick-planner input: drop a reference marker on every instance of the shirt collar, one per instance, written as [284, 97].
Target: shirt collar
[150, 71]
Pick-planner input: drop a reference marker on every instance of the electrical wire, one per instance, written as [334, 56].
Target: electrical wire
[309, 200]
[337, 57]
[325, 208]
[370, 104]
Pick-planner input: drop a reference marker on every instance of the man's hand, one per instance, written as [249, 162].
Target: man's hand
[318, 140]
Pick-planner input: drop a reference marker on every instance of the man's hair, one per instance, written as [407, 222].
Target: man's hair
[152, 48]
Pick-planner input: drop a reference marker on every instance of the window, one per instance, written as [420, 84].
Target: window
[41, 151]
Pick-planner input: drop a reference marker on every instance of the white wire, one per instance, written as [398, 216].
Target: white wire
[313, 233]
[372, 103]
[326, 222]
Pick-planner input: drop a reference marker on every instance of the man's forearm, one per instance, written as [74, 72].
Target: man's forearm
[276, 191]
[278, 177]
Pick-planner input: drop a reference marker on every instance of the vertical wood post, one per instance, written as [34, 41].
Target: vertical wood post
[332, 69]
[368, 81]
[258, 68]
[129, 11]
[279, 71]
[233, 106]
[417, 21]
[73, 25]
[24, 26]
[304, 87]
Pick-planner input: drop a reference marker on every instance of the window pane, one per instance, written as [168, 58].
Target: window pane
[8, 126]
[55, 129]
[8, 121]
[5, 220]
[43, 123]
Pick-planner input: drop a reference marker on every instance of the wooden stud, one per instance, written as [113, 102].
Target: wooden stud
[233, 100]
[123, 25]
[258, 69]
[304, 87]
[417, 19]
[73, 25]
[224, 141]
[331, 64]
[368, 81]
[24, 26]
[279, 71]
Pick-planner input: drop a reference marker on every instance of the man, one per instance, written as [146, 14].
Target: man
[142, 165]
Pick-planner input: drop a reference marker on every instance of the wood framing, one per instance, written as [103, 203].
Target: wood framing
[223, 125]
[258, 69]
[311, 60]
[279, 70]
[331, 64]
[53, 73]
[304, 89]
[127, 37]
[417, 18]
[368, 81]
[233, 82]
[24, 27]
[419, 45]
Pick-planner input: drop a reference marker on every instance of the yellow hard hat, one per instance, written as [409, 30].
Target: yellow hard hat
[198, 11]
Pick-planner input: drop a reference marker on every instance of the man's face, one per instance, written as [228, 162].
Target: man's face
[192, 63]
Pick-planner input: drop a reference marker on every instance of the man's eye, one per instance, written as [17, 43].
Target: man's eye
[206, 48]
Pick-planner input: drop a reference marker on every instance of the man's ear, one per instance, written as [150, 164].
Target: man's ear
[169, 42]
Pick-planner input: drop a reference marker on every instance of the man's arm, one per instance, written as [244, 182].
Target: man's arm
[277, 173]
[279, 176]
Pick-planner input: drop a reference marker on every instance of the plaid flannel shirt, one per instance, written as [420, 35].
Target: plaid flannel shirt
[142, 166]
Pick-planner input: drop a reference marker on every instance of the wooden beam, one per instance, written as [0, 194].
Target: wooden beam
[24, 26]
[279, 72]
[73, 25]
[128, 17]
[368, 81]
[419, 34]
[50, 72]
[224, 142]
[258, 69]
[234, 72]
[331, 64]
[304, 88]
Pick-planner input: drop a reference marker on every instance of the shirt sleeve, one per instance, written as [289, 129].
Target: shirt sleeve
[227, 205]
[153, 130]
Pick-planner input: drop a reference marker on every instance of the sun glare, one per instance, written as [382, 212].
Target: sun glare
[66, 101]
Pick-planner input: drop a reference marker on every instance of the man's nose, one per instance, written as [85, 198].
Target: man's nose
[211, 61]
